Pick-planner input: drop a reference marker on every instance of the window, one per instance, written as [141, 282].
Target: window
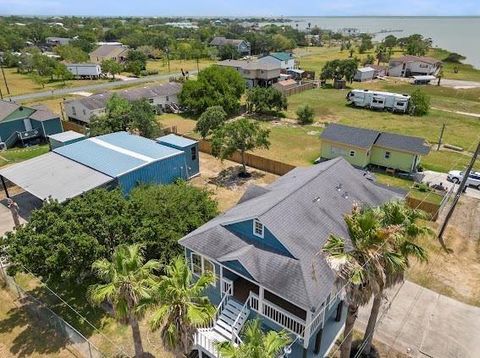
[84, 112]
[193, 150]
[196, 264]
[387, 155]
[167, 99]
[74, 112]
[150, 100]
[201, 265]
[257, 228]
[352, 153]
[208, 267]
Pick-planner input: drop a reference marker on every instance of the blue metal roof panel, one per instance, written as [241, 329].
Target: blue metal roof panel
[137, 144]
[105, 160]
[176, 140]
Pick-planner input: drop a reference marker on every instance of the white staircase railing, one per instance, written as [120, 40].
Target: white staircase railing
[235, 331]
[218, 311]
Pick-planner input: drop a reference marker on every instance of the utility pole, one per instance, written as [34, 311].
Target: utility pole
[4, 78]
[457, 195]
[441, 137]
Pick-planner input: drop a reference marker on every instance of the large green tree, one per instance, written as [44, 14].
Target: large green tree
[126, 282]
[241, 135]
[210, 120]
[61, 241]
[112, 67]
[215, 86]
[255, 343]
[181, 306]
[121, 115]
[265, 100]
[419, 104]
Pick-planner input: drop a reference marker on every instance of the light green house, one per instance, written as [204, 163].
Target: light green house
[362, 147]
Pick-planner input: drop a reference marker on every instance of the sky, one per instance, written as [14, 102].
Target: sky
[241, 8]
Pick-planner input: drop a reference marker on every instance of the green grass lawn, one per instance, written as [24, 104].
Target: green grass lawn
[465, 72]
[16, 155]
[177, 65]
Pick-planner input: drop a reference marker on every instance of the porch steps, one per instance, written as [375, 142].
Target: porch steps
[224, 324]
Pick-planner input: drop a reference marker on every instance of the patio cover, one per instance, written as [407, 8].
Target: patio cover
[52, 175]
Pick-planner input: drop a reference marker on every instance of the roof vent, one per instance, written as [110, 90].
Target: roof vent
[345, 195]
[316, 199]
[339, 187]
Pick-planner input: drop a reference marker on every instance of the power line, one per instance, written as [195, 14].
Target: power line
[345, 336]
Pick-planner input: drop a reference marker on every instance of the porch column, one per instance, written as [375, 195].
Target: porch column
[260, 299]
[308, 328]
[4, 186]
[221, 281]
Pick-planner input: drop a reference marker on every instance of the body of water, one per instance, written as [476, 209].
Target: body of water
[456, 34]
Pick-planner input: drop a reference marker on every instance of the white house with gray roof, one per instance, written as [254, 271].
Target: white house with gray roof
[255, 72]
[242, 46]
[160, 96]
[266, 256]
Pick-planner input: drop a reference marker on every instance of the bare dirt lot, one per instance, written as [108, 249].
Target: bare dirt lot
[222, 178]
[455, 274]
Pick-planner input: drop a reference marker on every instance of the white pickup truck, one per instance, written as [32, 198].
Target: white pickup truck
[456, 176]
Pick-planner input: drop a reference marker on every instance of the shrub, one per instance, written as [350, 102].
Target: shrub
[419, 103]
[305, 114]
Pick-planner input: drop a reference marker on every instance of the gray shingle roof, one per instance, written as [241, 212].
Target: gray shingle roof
[222, 41]
[109, 50]
[366, 138]
[43, 113]
[358, 137]
[301, 209]
[7, 108]
[403, 142]
[98, 101]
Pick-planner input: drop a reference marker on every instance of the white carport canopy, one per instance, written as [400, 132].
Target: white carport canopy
[51, 175]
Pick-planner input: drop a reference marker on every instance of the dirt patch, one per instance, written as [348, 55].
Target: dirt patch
[455, 274]
[223, 180]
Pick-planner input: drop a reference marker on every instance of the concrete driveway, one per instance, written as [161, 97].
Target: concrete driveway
[26, 203]
[423, 323]
[432, 177]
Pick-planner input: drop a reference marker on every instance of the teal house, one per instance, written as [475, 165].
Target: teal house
[21, 125]
[366, 147]
[266, 256]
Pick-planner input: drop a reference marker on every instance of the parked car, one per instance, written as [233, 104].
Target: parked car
[456, 176]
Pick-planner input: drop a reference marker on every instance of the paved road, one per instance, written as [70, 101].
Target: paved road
[92, 88]
[437, 178]
[423, 323]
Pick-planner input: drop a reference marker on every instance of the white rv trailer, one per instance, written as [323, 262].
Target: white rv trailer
[81, 70]
[394, 102]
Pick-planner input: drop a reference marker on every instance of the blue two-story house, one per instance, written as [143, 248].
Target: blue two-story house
[266, 255]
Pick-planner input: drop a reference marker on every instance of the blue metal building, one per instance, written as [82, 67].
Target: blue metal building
[186, 145]
[129, 159]
[64, 138]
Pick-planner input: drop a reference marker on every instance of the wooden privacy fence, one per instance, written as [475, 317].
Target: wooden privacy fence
[431, 209]
[251, 160]
[297, 89]
[71, 126]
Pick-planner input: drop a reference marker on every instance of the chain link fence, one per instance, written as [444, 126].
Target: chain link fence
[42, 313]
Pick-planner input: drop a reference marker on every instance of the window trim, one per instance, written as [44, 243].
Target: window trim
[202, 267]
[255, 222]
[387, 154]
[352, 153]
[193, 153]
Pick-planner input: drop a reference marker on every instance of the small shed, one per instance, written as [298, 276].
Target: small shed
[364, 74]
[64, 138]
[186, 145]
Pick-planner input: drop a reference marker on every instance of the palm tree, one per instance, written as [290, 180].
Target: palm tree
[127, 282]
[406, 220]
[360, 268]
[255, 343]
[182, 306]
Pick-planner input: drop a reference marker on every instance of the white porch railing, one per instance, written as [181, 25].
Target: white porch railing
[277, 314]
[226, 286]
[201, 340]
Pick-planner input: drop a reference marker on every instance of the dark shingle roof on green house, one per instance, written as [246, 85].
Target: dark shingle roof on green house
[366, 138]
